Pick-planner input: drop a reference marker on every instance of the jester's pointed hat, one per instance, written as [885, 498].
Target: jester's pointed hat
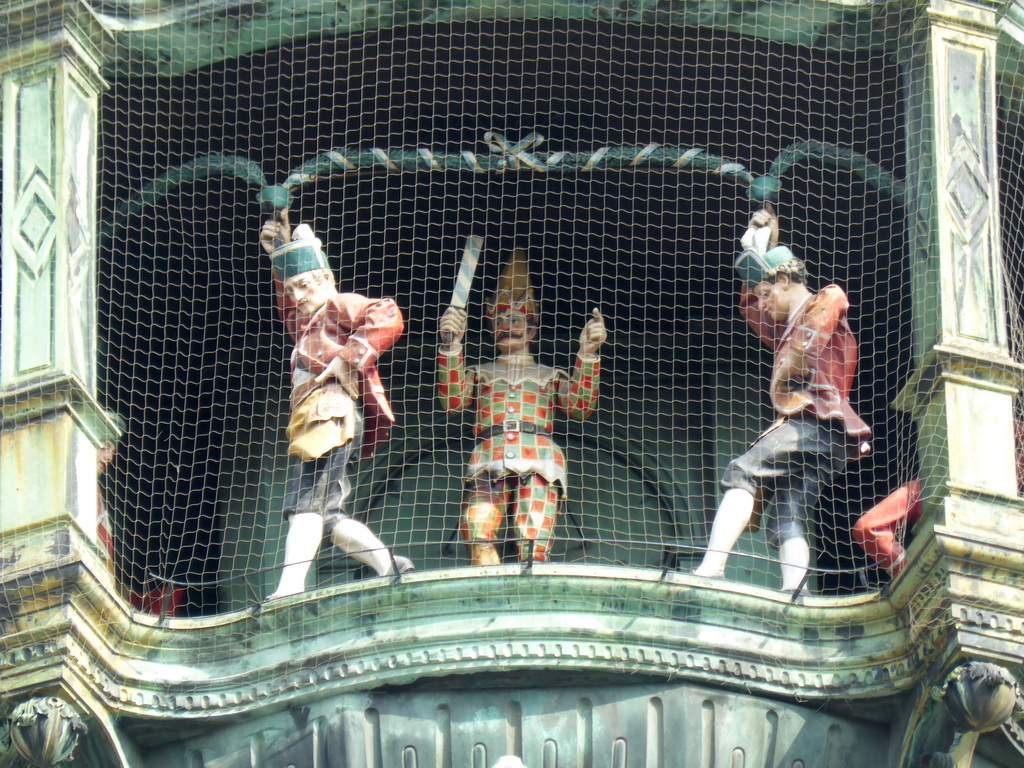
[514, 292]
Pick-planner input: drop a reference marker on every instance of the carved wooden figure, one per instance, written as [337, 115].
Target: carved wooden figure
[816, 431]
[516, 468]
[338, 405]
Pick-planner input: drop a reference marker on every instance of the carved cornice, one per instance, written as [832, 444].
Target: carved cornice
[977, 365]
[369, 669]
[362, 636]
[62, 622]
[37, 398]
[177, 36]
[978, 17]
[38, 31]
[964, 590]
[1011, 24]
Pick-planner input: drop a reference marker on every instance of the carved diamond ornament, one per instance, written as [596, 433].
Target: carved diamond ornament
[967, 191]
[35, 214]
[36, 223]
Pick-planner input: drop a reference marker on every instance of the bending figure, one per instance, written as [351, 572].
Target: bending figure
[338, 338]
[817, 430]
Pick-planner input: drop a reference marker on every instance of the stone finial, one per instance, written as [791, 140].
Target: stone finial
[45, 731]
[979, 697]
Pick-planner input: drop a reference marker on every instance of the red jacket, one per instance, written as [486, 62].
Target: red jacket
[821, 333]
[359, 330]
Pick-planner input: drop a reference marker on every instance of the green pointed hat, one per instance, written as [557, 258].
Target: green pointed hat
[752, 267]
[303, 254]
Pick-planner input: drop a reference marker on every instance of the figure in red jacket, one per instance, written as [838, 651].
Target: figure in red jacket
[817, 430]
[335, 385]
[882, 529]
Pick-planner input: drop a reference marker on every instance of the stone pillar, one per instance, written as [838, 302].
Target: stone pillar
[50, 422]
[50, 54]
[962, 392]
[962, 583]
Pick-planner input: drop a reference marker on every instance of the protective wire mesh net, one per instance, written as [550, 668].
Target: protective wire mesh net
[1010, 146]
[195, 359]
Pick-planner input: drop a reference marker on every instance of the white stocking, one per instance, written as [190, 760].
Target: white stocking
[305, 530]
[794, 557]
[355, 539]
[731, 520]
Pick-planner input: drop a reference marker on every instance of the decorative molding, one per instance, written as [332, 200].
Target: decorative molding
[236, 663]
[45, 731]
[966, 110]
[360, 672]
[177, 36]
[942, 592]
[49, 87]
[458, 622]
[30, 216]
[48, 395]
[38, 32]
[974, 367]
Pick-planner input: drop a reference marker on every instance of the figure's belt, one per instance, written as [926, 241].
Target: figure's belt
[302, 391]
[514, 425]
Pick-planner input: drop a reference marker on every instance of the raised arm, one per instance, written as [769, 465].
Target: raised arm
[275, 233]
[762, 233]
[578, 396]
[453, 385]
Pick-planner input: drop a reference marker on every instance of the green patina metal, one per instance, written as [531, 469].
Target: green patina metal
[206, 167]
[307, 673]
[505, 158]
[184, 35]
[557, 626]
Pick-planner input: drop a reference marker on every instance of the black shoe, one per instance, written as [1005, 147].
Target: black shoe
[401, 565]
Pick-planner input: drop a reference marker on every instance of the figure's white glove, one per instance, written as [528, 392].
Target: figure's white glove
[453, 322]
[303, 232]
[758, 236]
[342, 370]
[593, 335]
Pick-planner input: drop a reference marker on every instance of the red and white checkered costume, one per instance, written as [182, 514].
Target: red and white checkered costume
[512, 465]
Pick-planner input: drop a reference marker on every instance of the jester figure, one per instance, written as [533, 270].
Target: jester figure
[517, 471]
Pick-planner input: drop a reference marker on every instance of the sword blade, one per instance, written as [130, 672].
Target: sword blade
[464, 281]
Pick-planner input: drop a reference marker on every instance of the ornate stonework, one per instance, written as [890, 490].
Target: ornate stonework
[45, 731]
